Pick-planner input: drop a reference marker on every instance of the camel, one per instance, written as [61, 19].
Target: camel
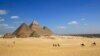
[56, 45]
[93, 44]
[82, 44]
[53, 45]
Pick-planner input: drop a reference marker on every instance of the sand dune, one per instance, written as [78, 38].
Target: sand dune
[69, 46]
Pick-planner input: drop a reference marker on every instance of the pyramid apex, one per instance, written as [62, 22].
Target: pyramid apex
[35, 22]
[23, 23]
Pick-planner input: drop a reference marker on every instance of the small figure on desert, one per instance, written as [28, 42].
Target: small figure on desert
[82, 44]
[93, 44]
[53, 45]
[58, 45]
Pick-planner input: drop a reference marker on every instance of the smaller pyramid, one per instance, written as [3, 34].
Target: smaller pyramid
[9, 35]
[47, 31]
[23, 31]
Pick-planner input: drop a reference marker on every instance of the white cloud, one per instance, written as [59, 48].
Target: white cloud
[61, 27]
[14, 17]
[3, 12]
[5, 28]
[1, 20]
[73, 22]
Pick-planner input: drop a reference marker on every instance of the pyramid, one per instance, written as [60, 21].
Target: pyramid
[33, 30]
[34, 34]
[34, 26]
[23, 31]
[47, 31]
[9, 35]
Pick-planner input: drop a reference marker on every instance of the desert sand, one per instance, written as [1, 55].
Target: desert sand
[69, 46]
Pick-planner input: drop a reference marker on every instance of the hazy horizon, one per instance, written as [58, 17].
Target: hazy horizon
[61, 16]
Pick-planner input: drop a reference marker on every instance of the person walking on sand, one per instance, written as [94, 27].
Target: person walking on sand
[58, 45]
[53, 45]
[82, 44]
[93, 44]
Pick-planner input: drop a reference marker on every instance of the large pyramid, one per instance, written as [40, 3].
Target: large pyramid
[34, 26]
[33, 30]
[23, 31]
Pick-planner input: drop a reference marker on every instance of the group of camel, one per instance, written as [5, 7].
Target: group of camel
[58, 45]
[93, 44]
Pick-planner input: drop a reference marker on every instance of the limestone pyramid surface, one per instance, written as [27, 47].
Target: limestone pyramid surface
[23, 31]
[9, 35]
[34, 26]
[47, 31]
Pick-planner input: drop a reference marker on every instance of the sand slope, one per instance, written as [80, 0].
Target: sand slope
[69, 46]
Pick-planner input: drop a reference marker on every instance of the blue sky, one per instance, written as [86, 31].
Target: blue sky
[61, 16]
